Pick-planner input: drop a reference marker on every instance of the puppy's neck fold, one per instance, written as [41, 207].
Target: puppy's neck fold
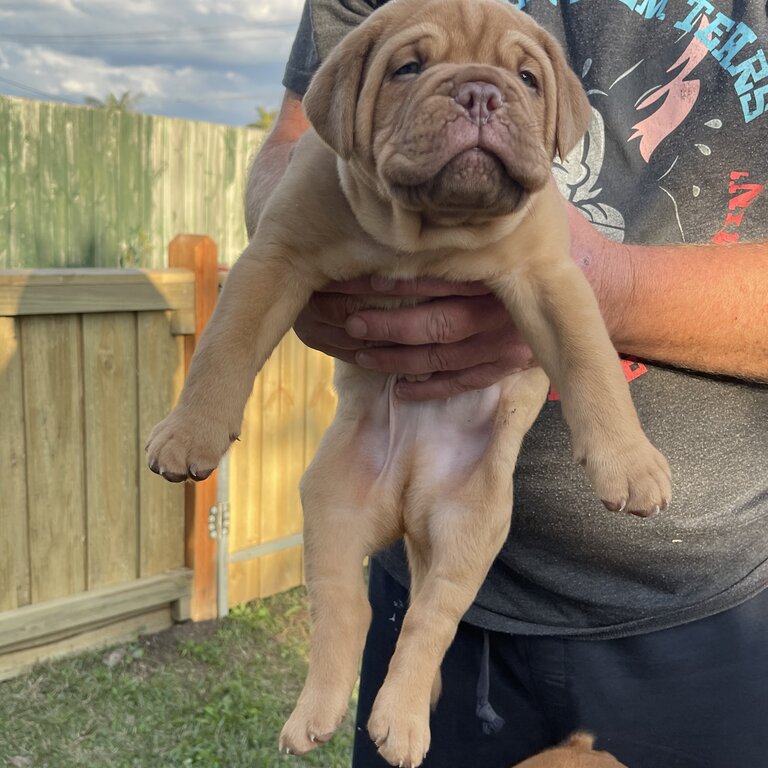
[390, 223]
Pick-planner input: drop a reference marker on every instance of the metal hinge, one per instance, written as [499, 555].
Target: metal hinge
[218, 520]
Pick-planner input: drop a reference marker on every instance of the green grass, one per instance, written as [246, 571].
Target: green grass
[213, 694]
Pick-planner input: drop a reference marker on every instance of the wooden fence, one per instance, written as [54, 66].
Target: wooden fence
[84, 187]
[93, 546]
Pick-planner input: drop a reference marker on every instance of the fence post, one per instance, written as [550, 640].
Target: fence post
[199, 254]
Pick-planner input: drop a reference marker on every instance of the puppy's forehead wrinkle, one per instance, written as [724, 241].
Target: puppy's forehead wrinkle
[463, 35]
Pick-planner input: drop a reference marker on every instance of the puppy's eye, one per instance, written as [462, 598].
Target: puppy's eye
[529, 79]
[411, 68]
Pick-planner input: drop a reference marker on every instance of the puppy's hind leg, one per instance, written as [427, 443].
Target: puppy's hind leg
[340, 529]
[465, 511]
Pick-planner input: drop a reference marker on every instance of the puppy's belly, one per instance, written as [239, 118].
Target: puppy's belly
[406, 444]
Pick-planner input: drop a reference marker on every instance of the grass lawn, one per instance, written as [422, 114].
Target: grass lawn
[212, 694]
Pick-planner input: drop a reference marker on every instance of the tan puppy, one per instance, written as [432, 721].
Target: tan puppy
[577, 752]
[436, 122]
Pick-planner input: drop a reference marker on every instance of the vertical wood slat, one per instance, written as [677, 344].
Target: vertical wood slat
[245, 469]
[160, 376]
[109, 361]
[282, 451]
[53, 419]
[5, 178]
[14, 544]
[291, 406]
[68, 433]
[199, 254]
[22, 186]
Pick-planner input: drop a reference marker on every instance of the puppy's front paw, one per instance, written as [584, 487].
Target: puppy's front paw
[632, 477]
[308, 727]
[400, 732]
[185, 446]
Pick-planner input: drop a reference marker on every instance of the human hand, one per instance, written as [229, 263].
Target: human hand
[462, 337]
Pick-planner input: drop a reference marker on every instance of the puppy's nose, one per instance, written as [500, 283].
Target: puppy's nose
[480, 99]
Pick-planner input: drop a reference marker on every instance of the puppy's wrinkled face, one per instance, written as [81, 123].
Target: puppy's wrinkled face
[450, 136]
[451, 107]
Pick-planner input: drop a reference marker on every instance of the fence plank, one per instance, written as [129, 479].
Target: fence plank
[14, 566]
[52, 370]
[94, 187]
[245, 500]
[160, 377]
[283, 461]
[80, 186]
[54, 618]
[23, 185]
[54, 291]
[6, 202]
[200, 255]
[109, 384]
[266, 466]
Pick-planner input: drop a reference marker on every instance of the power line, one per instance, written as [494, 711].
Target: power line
[159, 35]
[35, 91]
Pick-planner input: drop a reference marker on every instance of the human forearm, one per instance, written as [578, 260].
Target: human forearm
[702, 307]
[272, 159]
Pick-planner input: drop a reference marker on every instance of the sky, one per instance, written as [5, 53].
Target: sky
[211, 60]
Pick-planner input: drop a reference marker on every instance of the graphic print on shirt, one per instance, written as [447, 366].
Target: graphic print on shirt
[742, 194]
[666, 116]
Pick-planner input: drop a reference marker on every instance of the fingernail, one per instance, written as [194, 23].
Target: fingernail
[379, 283]
[356, 327]
[364, 360]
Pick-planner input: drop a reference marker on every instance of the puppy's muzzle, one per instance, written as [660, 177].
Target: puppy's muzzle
[480, 100]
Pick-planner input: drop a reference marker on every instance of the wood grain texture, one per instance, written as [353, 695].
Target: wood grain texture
[14, 543]
[53, 419]
[111, 451]
[291, 406]
[97, 188]
[160, 373]
[62, 291]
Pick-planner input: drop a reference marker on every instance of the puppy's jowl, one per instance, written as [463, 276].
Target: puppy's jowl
[435, 125]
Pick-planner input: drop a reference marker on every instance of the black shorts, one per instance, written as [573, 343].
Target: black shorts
[694, 696]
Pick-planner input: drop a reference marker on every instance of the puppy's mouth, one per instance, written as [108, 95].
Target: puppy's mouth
[475, 180]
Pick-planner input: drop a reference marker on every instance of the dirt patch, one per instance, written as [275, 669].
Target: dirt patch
[164, 647]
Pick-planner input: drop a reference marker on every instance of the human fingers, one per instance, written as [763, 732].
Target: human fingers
[503, 348]
[320, 325]
[439, 321]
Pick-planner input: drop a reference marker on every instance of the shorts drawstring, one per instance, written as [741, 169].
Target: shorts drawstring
[492, 723]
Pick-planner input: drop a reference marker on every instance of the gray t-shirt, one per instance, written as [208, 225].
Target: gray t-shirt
[677, 152]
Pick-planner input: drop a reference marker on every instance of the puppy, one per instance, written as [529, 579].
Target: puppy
[577, 752]
[435, 125]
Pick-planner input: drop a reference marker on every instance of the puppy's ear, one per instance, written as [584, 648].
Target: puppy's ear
[330, 102]
[572, 110]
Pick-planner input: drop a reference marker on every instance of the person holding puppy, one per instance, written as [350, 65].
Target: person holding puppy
[649, 633]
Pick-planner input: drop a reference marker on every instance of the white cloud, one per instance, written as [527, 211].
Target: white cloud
[191, 58]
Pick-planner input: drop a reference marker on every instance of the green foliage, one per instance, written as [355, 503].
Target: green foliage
[265, 119]
[126, 102]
